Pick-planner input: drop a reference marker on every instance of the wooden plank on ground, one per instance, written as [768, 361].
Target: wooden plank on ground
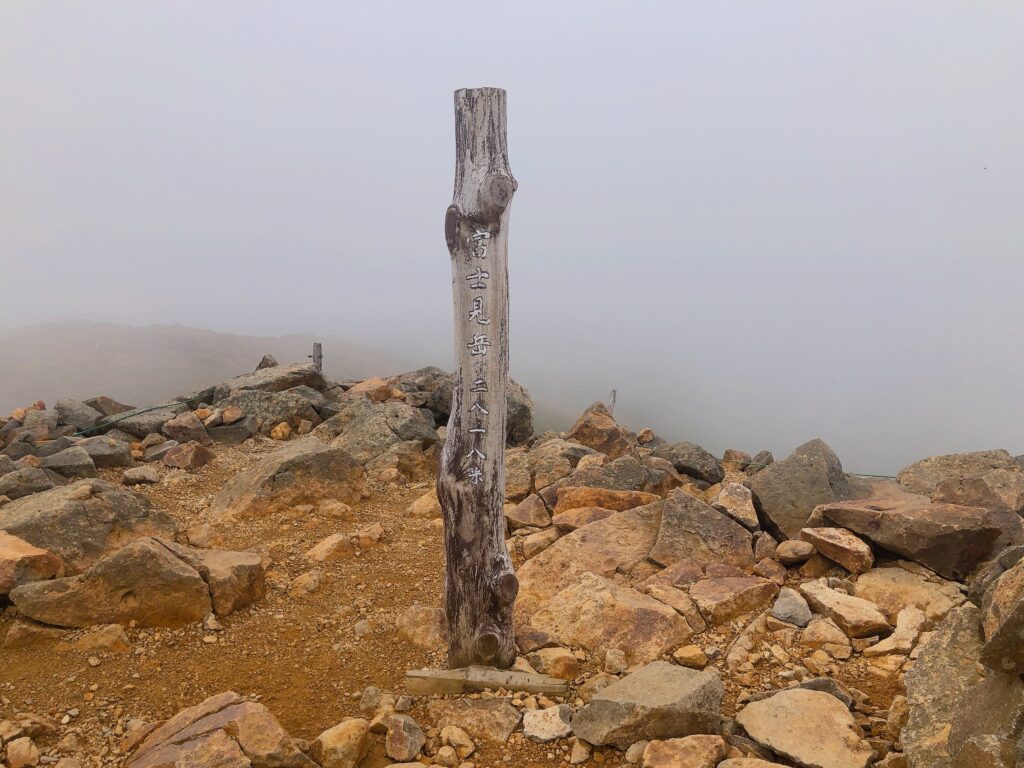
[422, 682]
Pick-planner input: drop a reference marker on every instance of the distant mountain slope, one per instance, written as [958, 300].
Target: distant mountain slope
[151, 364]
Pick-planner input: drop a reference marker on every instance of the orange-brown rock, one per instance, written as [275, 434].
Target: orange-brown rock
[20, 563]
[574, 497]
[596, 429]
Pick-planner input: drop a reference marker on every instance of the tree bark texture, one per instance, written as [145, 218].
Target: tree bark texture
[480, 585]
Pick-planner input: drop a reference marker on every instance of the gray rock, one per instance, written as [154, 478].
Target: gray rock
[791, 607]
[72, 462]
[140, 476]
[77, 414]
[658, 701]
[107, 406]
[787, 491]
[304, 471]
[691, 530]
[760, 460]
[267, 361]
[6, 465]
[317, 399]
[24, 482]
[83, 521]
[234, 434]
[186, 427]
[141, 422]
[519, 421]
[376, 428]
[945, 671]
[107, 451]
[276, 378]
[160, 450]
[46, 420]
[924, 476]
[949, 539]
[692, 460]
[271, 407]
[54, 446]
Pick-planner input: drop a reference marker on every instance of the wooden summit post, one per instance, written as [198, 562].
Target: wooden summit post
[480, 585]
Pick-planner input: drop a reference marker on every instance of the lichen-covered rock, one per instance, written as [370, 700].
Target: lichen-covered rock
[924, 476]
[304, 471]
[597, 614]
[691, 530]
[658, 701]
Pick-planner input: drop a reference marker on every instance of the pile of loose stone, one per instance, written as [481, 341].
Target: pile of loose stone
[734, 613]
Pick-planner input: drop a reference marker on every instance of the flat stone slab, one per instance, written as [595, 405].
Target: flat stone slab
[658, 701]
[812, 728]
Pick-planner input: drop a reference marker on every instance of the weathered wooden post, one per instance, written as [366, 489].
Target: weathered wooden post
[318, 356]
[480, 585]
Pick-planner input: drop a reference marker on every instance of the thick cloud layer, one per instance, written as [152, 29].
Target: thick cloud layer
[759, 223]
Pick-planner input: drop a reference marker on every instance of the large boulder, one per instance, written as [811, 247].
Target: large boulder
[519, 408]
[598, 430]
[153, 582]
[106, 451]
[72, 462]
[692, 460]
[25, 482]
[787, 491]
[937, 685]
[616, 543]
[84, 521]
[304, 471]
[376, 428]
[270, 408]
[142, 582]
[988, 727]
[924, 476]
[812, 728]
[78, 414]
[277, 378]
[691, 530]
[658, 701]
[949, 539]
[599, 615]
[224, 731]
[143, 421]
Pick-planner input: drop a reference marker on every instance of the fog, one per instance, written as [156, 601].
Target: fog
[758, 222]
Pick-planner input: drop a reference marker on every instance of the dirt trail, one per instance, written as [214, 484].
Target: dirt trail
[299, 655]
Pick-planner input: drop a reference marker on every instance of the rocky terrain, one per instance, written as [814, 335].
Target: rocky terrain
[244, 577]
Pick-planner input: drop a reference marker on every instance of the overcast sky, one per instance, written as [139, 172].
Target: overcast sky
[759, 222]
